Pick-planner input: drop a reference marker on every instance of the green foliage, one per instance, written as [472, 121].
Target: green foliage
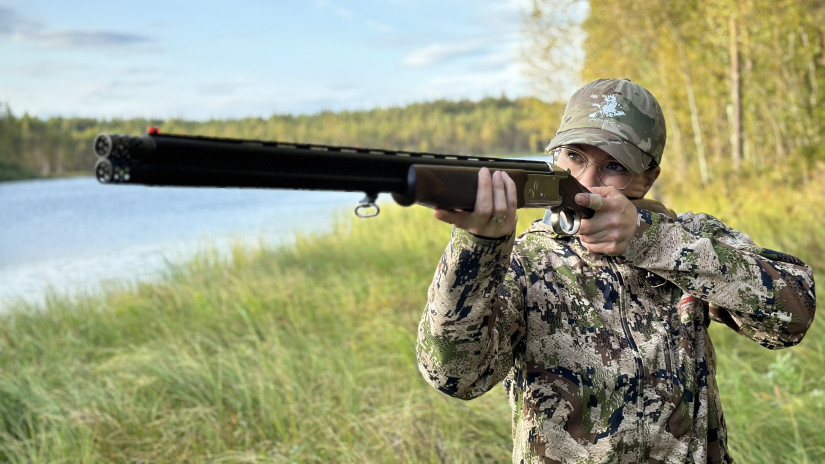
[774, 401]
[740, 82]
[14, 171]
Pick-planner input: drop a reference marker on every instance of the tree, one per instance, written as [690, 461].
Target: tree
[739, 77]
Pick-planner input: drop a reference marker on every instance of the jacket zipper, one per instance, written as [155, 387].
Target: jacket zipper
[640, 372]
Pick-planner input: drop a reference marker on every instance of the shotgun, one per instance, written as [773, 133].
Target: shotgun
[430, 179]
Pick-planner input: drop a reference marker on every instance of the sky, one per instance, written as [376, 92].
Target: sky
[204, 59]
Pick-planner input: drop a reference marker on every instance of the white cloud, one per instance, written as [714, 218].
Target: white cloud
[85, 39]
[360, 56]
[439, 53]
[347, 15]
[343, 13]
[507, 79]
[22, 29]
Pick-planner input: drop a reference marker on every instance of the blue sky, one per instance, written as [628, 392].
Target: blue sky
[204, 59]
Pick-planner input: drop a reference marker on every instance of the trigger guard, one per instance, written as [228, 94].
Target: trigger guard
[563, 224]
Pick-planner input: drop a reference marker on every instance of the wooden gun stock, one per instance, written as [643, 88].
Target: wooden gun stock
[454, 187]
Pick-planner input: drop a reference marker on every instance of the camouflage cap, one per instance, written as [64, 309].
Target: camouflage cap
[618, 116]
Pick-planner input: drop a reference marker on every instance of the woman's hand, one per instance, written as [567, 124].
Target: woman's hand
[494, 214]
[609, 230]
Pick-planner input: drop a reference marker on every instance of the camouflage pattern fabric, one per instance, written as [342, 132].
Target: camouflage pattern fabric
[607, 359]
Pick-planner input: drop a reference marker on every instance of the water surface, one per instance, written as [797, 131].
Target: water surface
[72, 234]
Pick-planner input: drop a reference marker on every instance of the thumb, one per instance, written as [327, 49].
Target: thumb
[593, 201]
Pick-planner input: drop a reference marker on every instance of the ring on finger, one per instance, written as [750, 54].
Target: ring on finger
[498, 220]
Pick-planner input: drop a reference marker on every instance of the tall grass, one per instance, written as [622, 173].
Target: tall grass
[297, 354]
[306, 354]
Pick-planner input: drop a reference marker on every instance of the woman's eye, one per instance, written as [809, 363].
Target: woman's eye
[575, 158]
[615, 167]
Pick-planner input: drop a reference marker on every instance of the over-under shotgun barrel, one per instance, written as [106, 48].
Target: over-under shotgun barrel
[431, 179]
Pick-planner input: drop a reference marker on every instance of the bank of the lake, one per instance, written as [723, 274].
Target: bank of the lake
[74, 234]
[305, 354]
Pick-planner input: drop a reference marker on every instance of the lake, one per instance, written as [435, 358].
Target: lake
[71, 235]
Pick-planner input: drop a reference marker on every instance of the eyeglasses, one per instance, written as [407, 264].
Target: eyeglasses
[611, 172]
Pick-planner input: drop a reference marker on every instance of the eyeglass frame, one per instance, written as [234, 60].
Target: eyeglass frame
[555, 152]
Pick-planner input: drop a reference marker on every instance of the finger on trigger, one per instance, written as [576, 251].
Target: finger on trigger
[596, 201]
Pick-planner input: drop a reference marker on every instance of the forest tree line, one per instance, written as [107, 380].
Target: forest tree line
[31, 147]
[741, 82]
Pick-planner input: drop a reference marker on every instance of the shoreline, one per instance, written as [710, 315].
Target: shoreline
[71, 233]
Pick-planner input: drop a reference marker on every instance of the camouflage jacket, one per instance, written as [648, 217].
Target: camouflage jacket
[607, 359]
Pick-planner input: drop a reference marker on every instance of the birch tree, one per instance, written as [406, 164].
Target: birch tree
[741, 79]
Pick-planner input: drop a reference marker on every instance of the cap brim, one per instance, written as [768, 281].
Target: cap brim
[615, 146]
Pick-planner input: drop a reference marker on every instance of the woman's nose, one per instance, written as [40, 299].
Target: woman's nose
[590, 177]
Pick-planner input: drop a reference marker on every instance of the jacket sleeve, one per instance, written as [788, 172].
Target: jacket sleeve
[765, 295]
[471, 323]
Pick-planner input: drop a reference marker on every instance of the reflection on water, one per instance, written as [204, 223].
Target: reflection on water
[72, 234]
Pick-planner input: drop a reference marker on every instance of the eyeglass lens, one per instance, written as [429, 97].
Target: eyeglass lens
[611, 172]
